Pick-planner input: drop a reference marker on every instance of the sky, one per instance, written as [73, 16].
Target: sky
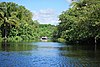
[45, 11]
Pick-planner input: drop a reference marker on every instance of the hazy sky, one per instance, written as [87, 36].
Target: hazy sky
[45, 11]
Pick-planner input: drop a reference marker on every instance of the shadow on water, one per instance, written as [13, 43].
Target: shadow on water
[6, 46]
[81, 51]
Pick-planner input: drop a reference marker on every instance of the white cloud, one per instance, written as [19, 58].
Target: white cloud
[46, 16]
[70, 1]
[47, 11]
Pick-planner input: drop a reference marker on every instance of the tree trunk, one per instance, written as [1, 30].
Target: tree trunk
[95, 43]
[95, 40]
[5, 33]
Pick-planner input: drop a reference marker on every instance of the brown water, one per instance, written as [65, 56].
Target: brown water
[48, 54]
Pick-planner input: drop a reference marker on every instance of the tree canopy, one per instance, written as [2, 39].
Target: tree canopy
[16, 23]
[80, 23]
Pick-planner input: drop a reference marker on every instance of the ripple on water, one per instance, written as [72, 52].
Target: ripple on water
[47, 54]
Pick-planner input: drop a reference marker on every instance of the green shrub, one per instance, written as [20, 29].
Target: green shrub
[24, 37]
[61, 40]
[14, 39]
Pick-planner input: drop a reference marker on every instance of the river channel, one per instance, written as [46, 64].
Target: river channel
[48, 54]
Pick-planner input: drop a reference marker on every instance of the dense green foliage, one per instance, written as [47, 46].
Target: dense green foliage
[16, 24]
[15, 21]
[81, 23]
[46, 30]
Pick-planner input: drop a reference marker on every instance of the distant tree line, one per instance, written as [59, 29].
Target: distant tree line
[46, 30]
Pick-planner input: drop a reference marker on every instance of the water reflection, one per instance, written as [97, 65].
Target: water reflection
[48, 54]
[5, 46]
[81, 51]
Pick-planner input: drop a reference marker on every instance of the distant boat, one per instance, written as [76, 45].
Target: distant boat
[44, 38]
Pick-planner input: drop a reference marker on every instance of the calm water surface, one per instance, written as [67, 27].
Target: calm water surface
[48, 54]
